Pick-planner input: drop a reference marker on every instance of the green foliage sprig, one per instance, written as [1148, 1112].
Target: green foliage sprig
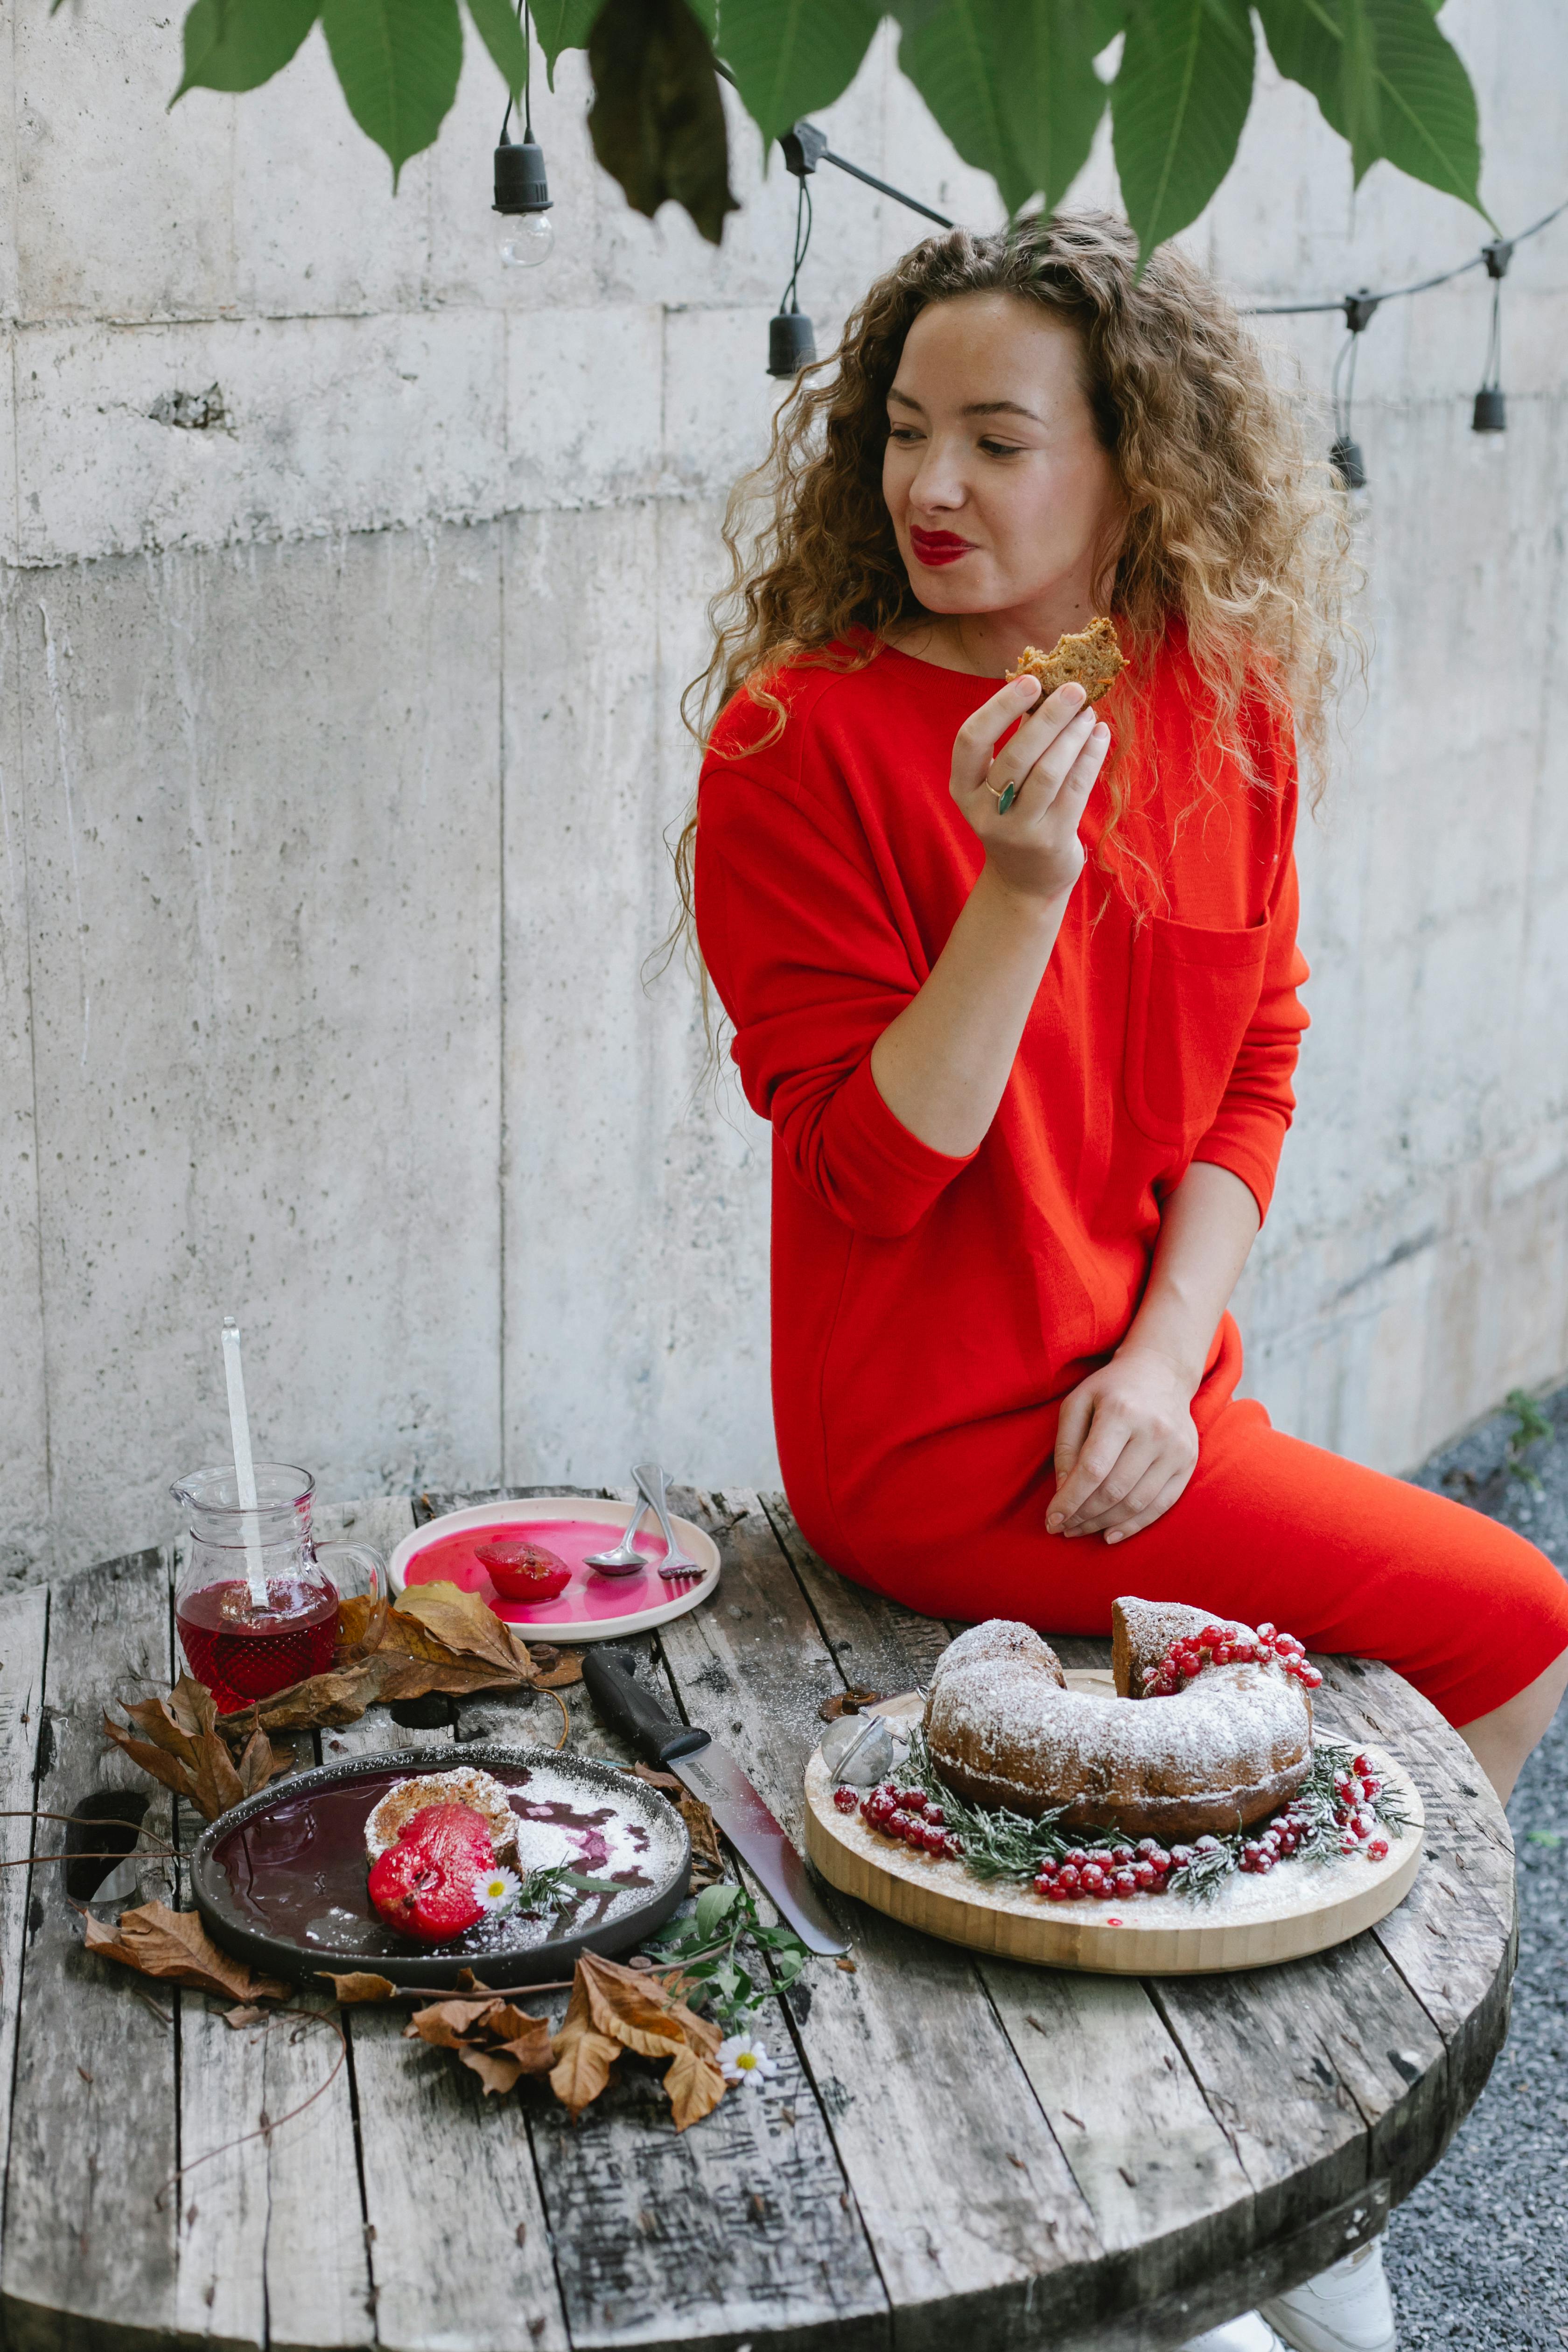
[706, 1946]
[1018, 86]
[998, 1843]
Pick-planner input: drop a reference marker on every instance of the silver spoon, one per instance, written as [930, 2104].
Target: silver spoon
[623, 1561]
[677, 1566]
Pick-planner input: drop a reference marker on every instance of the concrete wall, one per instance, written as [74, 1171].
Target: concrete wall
[340, 735]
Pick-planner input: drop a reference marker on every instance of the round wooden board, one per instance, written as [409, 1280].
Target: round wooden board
[1253, 1923]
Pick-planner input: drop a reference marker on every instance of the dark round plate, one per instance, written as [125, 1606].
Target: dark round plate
[280, 1879]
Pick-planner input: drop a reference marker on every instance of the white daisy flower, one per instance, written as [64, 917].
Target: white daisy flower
[744, 2058]
[498, 1890]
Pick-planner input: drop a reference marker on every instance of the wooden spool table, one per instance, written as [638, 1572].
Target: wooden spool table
[956, 2148]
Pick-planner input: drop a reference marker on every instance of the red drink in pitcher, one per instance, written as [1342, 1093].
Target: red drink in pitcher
[255, 1608]
[242, 1653]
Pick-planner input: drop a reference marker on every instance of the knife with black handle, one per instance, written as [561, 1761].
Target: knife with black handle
[694, 1756]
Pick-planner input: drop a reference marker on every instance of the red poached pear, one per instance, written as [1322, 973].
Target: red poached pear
[523, 1571]
[424, 1884]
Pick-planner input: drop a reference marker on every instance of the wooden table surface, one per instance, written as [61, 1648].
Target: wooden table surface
[953, 2149]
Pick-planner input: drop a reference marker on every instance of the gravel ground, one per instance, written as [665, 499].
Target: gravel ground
[1479, 2255]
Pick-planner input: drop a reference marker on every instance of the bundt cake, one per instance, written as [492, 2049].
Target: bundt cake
[1227, 1747]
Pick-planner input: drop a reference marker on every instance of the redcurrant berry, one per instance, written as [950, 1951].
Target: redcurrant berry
[1377, 1849]
[1092, 1878]
[846, 1799]
[1145, 1875]
[1068, 1878]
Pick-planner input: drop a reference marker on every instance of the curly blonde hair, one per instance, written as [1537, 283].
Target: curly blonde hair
[1229, 523]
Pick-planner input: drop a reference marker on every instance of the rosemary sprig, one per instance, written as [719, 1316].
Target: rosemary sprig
[1000, 1843]
[542, 1888]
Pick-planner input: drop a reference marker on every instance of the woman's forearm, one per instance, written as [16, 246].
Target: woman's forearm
[941, 1067]
[1209, 1225]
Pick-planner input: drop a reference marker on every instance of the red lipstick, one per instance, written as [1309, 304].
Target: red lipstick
[938, 547]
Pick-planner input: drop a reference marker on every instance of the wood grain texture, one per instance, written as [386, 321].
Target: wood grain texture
[273, 2247]
[907, 2053]
[955, 2145]
[1157, 2172]
[458, 2250]
[23, 1622]
[89, 2222]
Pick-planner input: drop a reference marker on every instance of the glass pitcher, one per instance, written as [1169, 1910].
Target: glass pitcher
[256, 1606]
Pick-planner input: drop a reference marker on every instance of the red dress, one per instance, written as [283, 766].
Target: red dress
[930, 1313]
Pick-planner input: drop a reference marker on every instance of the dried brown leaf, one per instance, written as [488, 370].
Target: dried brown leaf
[359, 1984]
[175, 1946]
[847, 1702]
[361, 1624]
[529, 2042]
[585, 2062]
[496, 2069]
[463, 1625]
[245, 2015]
[183, 1746]
[638, 2011]
[665, 1782]
[446, 2023]
[216, 1786]
[559, 1670]
[706, 1855]
[695, 2085]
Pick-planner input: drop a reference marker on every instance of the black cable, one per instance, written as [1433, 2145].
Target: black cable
[1398, 293]
[789, 300]
[526, 23]
[884, 188]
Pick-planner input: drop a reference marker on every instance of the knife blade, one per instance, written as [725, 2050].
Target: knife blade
[717, 1780]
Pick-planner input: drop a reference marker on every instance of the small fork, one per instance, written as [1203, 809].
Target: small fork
[677, 1566]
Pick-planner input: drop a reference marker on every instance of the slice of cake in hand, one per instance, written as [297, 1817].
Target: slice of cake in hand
[1093, 656]
[464, 1785]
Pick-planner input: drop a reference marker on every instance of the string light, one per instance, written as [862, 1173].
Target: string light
[792, 344]
[1491, 413]
[1345, 457]
[521, 187]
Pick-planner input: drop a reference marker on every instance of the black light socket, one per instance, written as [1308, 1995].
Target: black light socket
[791, 344]
[1345, 457]
[1491, 416]
[520, 182]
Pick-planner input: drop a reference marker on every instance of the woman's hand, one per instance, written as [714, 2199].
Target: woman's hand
[1126, 1447]
[1051, 762]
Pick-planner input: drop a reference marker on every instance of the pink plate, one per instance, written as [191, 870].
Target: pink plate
[593, 1607]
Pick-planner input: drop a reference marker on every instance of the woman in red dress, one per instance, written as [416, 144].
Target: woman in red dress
[1014, 981]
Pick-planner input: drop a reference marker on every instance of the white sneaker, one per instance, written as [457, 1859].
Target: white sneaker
[1346, 2308]
[1250, 2333]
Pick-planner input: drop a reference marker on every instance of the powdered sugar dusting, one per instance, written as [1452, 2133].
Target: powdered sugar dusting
[1005, 1730]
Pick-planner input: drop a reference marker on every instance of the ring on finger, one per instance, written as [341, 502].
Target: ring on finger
[1004, 794]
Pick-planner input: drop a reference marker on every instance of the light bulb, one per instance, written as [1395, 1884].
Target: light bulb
[528, 240]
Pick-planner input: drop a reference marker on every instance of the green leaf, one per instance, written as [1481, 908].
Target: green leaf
[1420, 114]
[956, 60]
[789, 56]
[1177, 108]
[398, 61]
[713, 1904]
[503, 35]
[1052, 99]
[563, 24]
[658, 119]
[241, 44]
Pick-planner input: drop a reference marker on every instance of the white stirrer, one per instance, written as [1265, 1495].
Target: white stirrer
[243, 1468]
